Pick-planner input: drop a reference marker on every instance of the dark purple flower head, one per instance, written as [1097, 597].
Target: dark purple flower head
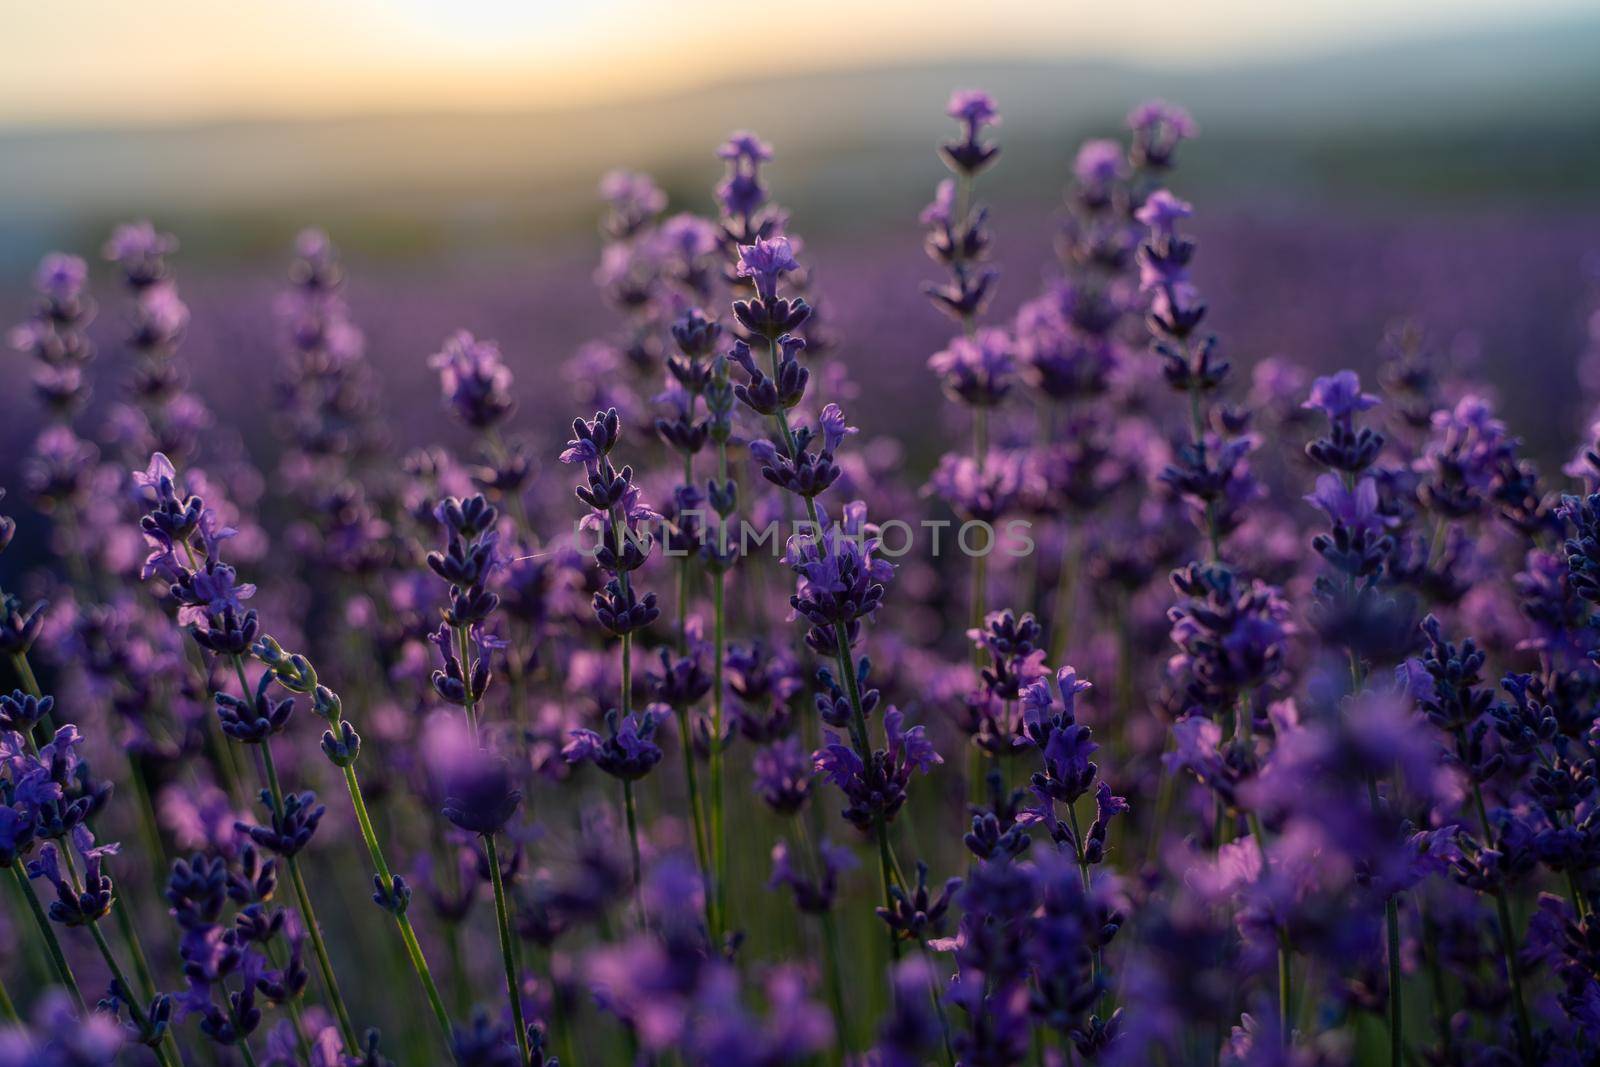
[1357, 509]
[20, 712]
[941, 211]
[141, 251]
[1014, 651]
[289, 827]
[62, 1035]
[876, 789]
[910, 1031]
[16, 834]
[841, 580]
[484, 1043]
[1339, 397]
[764, 262]
[976, 370]
[984, 491]
[254, 718]
[1162, 212]
[634, 202]
[1041, 714]
[740, 192]
[628, 751]
[1099, 163]
[1464, 458]
[593, 439]
[8, 527]
[975, 110]
[79, 900]
[61, 279]
[746, 146]
[813, 892]
[475, 382]
[1158, 128]
[1231, 635]
[197, 890]
[20, 624]
[783, 775]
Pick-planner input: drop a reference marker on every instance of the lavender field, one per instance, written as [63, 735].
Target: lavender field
[1113, 631]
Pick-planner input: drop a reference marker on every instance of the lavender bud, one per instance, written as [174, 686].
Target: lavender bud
[343, 748]
[394, 898]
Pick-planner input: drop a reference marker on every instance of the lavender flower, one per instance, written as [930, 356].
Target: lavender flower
[474, 380]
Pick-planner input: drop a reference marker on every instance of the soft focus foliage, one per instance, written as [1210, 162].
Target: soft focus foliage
[1178, 712]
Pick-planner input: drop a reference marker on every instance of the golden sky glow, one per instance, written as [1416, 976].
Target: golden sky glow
[180, 60]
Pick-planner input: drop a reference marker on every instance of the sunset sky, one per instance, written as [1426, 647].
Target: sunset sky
[158, 61]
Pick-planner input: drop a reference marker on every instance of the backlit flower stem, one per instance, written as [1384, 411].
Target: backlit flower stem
[691, 775]
[513, 985]
[830, 944]
[847, 667]
[618, 523]
[1197, 429]
[1507, 937]
[292, 1006]
[719, 641]
[719, 847]
[347, 1030]
[130, 936]
[139, 1017]
[58, 960]
[470, 703]
[701, 852]
[1083, 871]
[408, 935]
[886, 865]
[1285, 962]
[629, 810]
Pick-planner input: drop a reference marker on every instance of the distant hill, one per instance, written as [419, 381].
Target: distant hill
[1508, 114]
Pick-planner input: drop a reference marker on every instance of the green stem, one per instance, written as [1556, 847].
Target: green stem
[1096, 964]
[1286, 993]
[938, 1007]
[134, 1010]
[513, 985]
[458, 967]
[633, 846]
[57, 959]
[8, 1010]
[313, 928]
[1507, 937]
[830, 942]
[130, 936]
[719, 640]
[292, 1005]
[45, 727]
[1397, 1044]
[419, 962]
[148, 828]
[470, 705]
[1285, 988]
[886, 878]
[702, 856]
[25, 672]
[719, 850]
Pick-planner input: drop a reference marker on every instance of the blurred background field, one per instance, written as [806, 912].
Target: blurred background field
[1345, 177]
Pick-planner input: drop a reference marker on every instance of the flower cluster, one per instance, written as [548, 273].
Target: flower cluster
[1301, 818]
